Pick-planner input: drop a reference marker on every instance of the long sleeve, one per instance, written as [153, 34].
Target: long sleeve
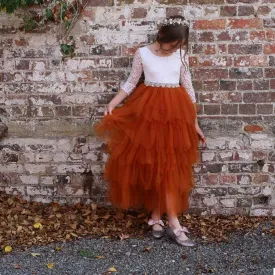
[185, 80]
[135, 74]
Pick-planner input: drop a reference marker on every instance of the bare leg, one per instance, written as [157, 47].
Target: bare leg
[156, 216]
[173, 219]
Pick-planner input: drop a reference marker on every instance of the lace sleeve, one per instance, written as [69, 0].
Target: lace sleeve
[135, 74]
[185, 79]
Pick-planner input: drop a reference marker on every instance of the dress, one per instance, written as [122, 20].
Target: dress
[151, 139]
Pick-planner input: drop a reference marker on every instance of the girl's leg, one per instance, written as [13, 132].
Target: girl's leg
[173, 219]
[156, 216]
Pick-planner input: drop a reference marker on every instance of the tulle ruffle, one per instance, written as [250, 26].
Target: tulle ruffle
[152, 144]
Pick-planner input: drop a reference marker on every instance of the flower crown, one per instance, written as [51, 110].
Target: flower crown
[174, 22]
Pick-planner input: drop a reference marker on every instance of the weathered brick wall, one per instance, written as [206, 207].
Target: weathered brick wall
[49, 105]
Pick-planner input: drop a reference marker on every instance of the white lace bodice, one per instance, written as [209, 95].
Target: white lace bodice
[160, 71]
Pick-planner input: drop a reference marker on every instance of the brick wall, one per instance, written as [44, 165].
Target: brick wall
[49, 105]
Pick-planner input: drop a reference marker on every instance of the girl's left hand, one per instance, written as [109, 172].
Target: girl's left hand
[200, 134]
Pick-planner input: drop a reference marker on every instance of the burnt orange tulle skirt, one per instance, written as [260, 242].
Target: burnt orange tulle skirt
[152, 144]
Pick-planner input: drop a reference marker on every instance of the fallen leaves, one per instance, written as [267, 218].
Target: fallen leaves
[50, 265]
[24, 223]
[147, 249]
[8, 249]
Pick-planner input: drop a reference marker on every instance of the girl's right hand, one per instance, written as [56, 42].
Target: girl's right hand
[108, 110]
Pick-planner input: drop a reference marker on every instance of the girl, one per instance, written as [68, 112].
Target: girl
[152, 139]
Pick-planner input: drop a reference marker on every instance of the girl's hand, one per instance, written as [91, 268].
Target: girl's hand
[109, 109]
[200, 134]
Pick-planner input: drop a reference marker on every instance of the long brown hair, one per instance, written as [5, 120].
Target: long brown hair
[172, 33]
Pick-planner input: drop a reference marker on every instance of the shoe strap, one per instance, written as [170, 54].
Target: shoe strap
[152, 222]
[182, 229]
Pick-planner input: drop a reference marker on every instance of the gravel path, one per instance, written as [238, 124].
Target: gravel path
[247, 255]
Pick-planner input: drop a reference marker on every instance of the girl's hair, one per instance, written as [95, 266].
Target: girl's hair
[172, 33]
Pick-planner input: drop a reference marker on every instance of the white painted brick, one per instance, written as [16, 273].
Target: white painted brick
[35, 168]
[228, 202]
[60, 156]
[64, 168]
[47, 180]
[210, 201]
[208, 156]
[29, 179]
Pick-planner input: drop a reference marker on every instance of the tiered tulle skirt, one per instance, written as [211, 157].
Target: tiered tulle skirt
[152, 144]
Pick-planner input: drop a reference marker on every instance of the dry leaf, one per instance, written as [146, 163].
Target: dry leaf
[112, 269]
[37, 225]
[100, 257]
[148, 249]
[8, 249]
[58, 248]
[124, 236]
[35, 254]
[50, 265]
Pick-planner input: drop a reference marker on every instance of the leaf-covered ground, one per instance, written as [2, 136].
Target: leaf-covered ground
[25, 223]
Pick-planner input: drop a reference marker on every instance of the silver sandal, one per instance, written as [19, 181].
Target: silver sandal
[157, 234]
[174, 235]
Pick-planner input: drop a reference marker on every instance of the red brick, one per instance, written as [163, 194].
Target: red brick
[248, 73]
[101, 3]
[240, 36]
[270, 73]
[269, 23]
[88, 13]
[234, 97]
[256, 155]
[22, 64]
[244, 49]
[269, 49]
[207, 2]
[222, 48]
[241, 1]
[247, 109]
[270, 35]
[257, 97]
[197, 49]
[253, 128]
[220, 61]
[193, 61]
[212, 179]
[244, 85]
[229, 109]
[245, 23]
[257, 35]
[21, 42]
[227, 179]
[224, 36]
[139, 13]
[263, 10]
[272, 83]
[88, 39]
[206, 37]
[172, 2]
[211, 109]
[245, 10]
[214, 24]
[207, 74]
[171, 11]
[227, 85]
[228, 11]
[210, 49]
[210, 97]
[261, 84]
[264, 109]
[211, 85]
[252, 60]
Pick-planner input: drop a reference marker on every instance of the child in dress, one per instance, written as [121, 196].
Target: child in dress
[152, 140]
